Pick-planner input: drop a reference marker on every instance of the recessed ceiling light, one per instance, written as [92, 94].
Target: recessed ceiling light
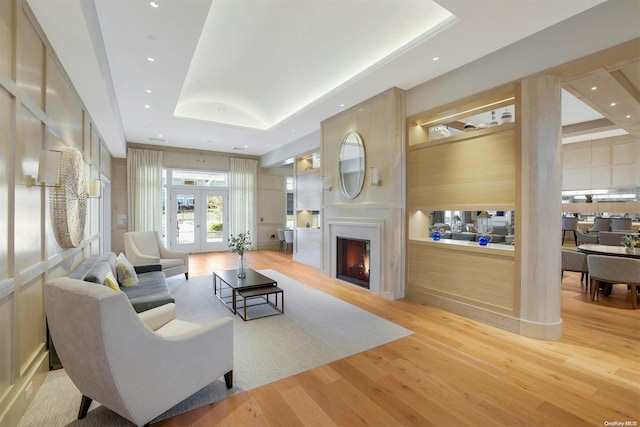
[154, 4]
[613, 104]
[628, 116]
[594, 88]
[159, 135]
[150, 59]
[342, 105]
[293, 130]
[147, 106]
[148, 91]
[435, 58]
[246, 146]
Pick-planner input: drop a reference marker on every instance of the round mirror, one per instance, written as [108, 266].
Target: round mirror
[351, 165]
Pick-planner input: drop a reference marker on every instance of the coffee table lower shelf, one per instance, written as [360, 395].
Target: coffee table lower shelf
[261, 293]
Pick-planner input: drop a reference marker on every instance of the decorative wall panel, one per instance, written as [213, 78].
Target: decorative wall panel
[6, 124]
[30, 62]
[6, 37]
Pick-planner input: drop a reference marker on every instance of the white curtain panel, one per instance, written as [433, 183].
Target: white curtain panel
[144, 175]
[244, 194]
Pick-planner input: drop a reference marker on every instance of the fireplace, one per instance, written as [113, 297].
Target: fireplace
[352, 261]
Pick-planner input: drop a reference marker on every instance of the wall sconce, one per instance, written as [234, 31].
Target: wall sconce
[48, 170]
[374, 178]
[327, 183]
[95, 189]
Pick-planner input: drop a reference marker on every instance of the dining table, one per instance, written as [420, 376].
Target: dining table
[595, 249]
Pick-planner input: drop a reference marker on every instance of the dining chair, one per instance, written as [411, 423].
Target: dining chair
[570, 223]
[600, 224]
[281, 239]
[585, 238]
[288, 240]
[621, 224]
[575, 261]
[610, 238]
[614, 270]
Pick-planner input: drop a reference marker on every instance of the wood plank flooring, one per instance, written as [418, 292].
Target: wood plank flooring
[452, 371]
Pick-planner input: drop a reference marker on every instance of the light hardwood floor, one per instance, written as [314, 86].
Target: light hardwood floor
[452, 371]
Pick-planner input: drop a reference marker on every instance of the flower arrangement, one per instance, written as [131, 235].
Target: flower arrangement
[240, 243]
[630, 242]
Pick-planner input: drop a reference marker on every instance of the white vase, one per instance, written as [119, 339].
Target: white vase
[629, 249]
[242, 272]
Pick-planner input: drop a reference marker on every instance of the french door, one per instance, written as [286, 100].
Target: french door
[198, 220]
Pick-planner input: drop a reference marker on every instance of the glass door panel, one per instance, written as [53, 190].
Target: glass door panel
[214, 229]
[197, 223]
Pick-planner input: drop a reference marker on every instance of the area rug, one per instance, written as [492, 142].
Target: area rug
[314, 330]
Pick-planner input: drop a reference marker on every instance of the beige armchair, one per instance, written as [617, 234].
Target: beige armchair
[137, 365]
[145, 247]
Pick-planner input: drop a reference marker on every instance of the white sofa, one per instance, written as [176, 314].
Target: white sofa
[137, 365]
[145, 247]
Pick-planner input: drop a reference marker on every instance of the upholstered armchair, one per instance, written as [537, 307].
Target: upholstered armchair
[137, 365]
[145, 247]
[585, 238]
[575, 261]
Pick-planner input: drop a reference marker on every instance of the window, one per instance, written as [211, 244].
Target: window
[199, 179]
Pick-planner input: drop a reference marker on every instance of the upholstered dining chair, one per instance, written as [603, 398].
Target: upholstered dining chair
[137, 365]
[281, 238]
[570, 223]
[585, 238]
[600, 224]
[614, 270]
[621, 224]
[288, 240]
[610, 238]
[145, 247]
[575, 261]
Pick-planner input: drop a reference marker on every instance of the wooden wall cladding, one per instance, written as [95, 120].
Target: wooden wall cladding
[478, 278]
[464, 174]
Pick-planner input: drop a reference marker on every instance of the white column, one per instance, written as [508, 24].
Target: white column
[540, 212]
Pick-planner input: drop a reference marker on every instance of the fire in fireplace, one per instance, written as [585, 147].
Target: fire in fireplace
[353, 261]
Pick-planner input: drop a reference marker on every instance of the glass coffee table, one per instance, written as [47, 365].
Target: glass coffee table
[232, 290]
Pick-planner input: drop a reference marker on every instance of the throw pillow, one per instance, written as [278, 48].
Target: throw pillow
[126, 273]
[111, 281]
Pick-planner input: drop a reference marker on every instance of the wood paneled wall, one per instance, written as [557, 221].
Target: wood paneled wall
[39, 110]
[472, 171]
